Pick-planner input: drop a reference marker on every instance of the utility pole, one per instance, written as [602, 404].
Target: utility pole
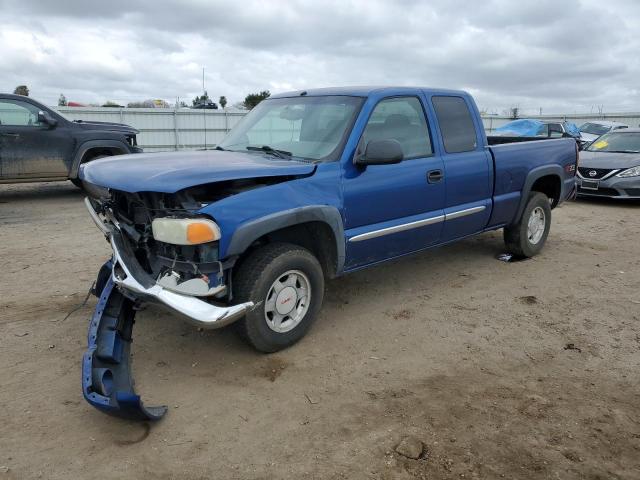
[204, 112]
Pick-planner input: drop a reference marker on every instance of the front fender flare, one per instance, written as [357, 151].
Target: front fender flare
[249, 232]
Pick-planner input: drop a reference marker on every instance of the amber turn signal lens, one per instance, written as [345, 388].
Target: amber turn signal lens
[185, 231]
[200, 233]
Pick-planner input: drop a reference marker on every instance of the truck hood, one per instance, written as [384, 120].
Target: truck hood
[106, 126]
[608, 160]
[174, 171]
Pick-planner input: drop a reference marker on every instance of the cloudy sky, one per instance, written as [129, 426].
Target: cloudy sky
[561, 56]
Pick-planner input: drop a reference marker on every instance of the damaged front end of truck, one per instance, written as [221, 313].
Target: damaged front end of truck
[165, 252]
[185, 276]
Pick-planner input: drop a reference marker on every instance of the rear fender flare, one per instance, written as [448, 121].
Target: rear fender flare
[535, 174]
[91, 144]
[251, 231]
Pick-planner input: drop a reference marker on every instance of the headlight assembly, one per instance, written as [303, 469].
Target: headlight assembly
[185, 231]
[630, 172]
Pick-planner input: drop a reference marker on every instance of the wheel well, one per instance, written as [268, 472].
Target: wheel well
[98, 151]
[317, 237]
[551, 186]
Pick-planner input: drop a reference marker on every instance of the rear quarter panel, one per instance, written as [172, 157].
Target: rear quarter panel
[518, 165]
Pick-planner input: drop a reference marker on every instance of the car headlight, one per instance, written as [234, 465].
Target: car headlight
[630, 172]
[185, 231]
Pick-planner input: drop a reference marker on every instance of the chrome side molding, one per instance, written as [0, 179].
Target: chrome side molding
[464, 213]
[417, 224]
[397, 228]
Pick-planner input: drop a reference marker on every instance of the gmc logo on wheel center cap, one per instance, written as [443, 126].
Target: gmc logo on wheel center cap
[592, 173]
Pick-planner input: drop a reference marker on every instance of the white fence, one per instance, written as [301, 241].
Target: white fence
[164, 129]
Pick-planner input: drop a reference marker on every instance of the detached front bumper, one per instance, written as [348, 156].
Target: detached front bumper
[136, 284]
[107, 383]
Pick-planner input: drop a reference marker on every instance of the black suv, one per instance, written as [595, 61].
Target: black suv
[39, 145]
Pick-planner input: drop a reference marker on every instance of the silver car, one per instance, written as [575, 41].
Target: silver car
[591, 130]
[610, 166]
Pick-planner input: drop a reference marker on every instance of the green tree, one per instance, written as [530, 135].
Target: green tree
[204, 98]
[62, 100]
[254, 99]
[223, 101]
[22, 90]
[109, 103]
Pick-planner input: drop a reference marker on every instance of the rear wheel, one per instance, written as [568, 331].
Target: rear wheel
[286, 284]
[527, 237]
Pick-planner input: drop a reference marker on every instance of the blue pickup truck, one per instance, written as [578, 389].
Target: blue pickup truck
[309, 186]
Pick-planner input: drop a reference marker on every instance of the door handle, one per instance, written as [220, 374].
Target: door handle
[434, 176]
[10, 134]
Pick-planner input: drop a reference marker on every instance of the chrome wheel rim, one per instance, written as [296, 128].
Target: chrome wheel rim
[287, 301]
[536, 225]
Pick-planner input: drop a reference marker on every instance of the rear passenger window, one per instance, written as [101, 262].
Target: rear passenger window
[400, 119]
[456, 124]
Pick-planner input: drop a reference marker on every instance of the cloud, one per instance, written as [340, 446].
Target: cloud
[559, 56]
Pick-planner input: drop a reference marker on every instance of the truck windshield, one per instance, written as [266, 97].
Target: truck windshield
[311, 128]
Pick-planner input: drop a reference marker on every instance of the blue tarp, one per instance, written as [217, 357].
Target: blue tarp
[572, 128]
[532, 128]
[522, 128]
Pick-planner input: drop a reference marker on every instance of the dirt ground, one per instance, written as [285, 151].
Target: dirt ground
[502, 370]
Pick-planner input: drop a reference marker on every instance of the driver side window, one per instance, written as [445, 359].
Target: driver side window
[20, 114]
[400, 119]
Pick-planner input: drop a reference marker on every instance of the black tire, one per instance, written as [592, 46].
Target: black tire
[253, 281]
[76, 181]
[516, 236]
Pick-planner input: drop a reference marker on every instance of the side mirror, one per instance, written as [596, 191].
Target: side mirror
[47, 119]
[381, 152]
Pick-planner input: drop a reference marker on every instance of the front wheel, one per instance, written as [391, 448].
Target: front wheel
[527, 237]
[286, 284]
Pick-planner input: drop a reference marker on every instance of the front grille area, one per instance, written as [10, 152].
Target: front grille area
[600, 172]
[135, 213]
[604, 192]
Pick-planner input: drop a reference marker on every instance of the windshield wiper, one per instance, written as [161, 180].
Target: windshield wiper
[623, 151]
[271, 151]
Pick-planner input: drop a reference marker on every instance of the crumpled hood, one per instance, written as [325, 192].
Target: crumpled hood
[608, 160]
[106, 126]
[174, 171]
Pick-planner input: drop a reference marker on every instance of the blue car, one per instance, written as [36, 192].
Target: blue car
[309, 186]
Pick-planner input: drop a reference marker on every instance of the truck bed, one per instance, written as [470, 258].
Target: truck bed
[514, 161]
